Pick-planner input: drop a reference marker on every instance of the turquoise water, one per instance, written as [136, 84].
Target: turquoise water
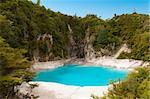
[81, 75]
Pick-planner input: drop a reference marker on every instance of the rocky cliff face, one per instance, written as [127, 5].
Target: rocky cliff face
[89, 52]
[73, 46]
[124, 48]
[23, 23]
[47, 41]
[74, 49]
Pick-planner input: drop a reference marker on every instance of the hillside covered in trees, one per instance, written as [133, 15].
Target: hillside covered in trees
[30, 26]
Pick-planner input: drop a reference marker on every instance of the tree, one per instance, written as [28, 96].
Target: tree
[23, 21]
[38, 2]
[136, 86]
[14, 69]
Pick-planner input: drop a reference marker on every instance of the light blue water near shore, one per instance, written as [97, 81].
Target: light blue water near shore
[81, 75]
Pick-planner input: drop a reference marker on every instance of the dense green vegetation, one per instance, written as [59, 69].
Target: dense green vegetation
[134, 30]
[27, 21]
[24, 24]
[13, 69]
[136, 86]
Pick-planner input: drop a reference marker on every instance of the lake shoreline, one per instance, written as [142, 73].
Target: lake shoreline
[129, 64]
[51, 90]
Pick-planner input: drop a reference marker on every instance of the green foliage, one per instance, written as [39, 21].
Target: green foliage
[133, 29]
[7, 85]
[95, 97]
[38, 2]
[13, 69]
[140, 48]
[12, 59]
[135, 86]
[106, 40]
[23, 22]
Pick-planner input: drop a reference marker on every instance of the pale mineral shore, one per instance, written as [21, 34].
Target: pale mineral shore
[107, 62]
[50, 90]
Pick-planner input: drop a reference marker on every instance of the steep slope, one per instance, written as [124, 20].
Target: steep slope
[23, 22]
[132, 29]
